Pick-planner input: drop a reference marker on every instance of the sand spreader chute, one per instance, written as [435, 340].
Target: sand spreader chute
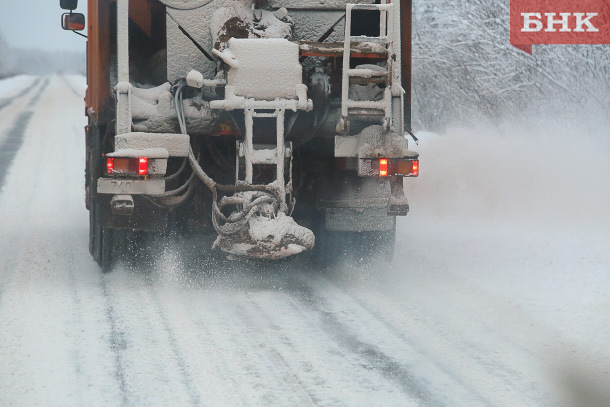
[251, 219]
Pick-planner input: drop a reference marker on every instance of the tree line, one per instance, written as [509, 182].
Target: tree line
[465, 69]
[15, 61]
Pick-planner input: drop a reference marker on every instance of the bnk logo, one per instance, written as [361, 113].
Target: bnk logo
[532, 22]
[559, 22]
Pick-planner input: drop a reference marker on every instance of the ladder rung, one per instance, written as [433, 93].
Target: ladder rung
[366, 112]
[380, 7]
[267, 156]
[366, 81]
[367, 104]
[264, 156]
[364, 38]
[366, 73]
[257, 114]
[264, 153]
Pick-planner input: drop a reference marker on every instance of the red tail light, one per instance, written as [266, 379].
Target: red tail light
[388, 167]
[383, 167]
[110, 165]
[143, 166]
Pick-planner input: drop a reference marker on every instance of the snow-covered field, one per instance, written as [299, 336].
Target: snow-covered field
[499, 294]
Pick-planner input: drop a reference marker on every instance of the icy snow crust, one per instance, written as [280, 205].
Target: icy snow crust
[176, 145]
[498, 294]
[153, 110]
[250, 76]
[373, 142]
[137, 153]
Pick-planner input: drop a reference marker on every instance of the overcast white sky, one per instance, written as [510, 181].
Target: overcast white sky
[37, 24]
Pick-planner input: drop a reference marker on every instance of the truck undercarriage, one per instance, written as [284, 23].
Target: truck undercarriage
[277, 125]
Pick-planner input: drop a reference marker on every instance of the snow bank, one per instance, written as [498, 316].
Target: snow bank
[10, 86]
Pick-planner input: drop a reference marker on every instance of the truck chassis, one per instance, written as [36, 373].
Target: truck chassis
[243, 120]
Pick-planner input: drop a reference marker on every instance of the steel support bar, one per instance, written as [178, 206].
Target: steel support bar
[123, 40]
[123, 88]
[406, 17]
[280, 155]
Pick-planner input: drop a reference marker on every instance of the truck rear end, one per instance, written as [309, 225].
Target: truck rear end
[277, 125]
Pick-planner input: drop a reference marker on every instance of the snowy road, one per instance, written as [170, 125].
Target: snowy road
[499, 294]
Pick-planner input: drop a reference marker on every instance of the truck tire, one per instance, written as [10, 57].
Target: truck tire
[107, 245]
[103, 242]
[92, 173]
[113, 244]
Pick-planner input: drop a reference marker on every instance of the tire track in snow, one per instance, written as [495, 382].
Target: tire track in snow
[71, 87]
[90, 365]
[283, 347]
[5, 102]
[378, 317]
[279, 365]
[263, 377]
[374, 358]
[77, 354]
[127, 345]
[12, 144]
[178, 354]
[503, 380]
[207, 333]
[466, 349]
[161, 267]
[118, 345]
[16, 135]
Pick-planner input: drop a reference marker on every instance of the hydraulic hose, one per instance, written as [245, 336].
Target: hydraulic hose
[238, 220]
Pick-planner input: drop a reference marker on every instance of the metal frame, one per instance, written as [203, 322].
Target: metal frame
[389, 35]
[252, 109]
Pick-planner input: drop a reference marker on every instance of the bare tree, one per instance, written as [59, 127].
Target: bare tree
[465, 67]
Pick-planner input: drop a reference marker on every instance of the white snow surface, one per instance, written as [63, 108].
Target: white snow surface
[499, 293]
[373, 142]
[256, 59]
[10, 87]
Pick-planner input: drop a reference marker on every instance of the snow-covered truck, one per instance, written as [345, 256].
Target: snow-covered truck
[271, 124]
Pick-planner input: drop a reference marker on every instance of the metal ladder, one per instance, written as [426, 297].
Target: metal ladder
[264, 154]
[387, 34]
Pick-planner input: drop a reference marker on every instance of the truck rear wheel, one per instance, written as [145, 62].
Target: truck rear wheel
[108, 246]
[113, 248]
[104, 243]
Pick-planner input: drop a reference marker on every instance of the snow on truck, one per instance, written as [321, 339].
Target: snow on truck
[272, 124]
